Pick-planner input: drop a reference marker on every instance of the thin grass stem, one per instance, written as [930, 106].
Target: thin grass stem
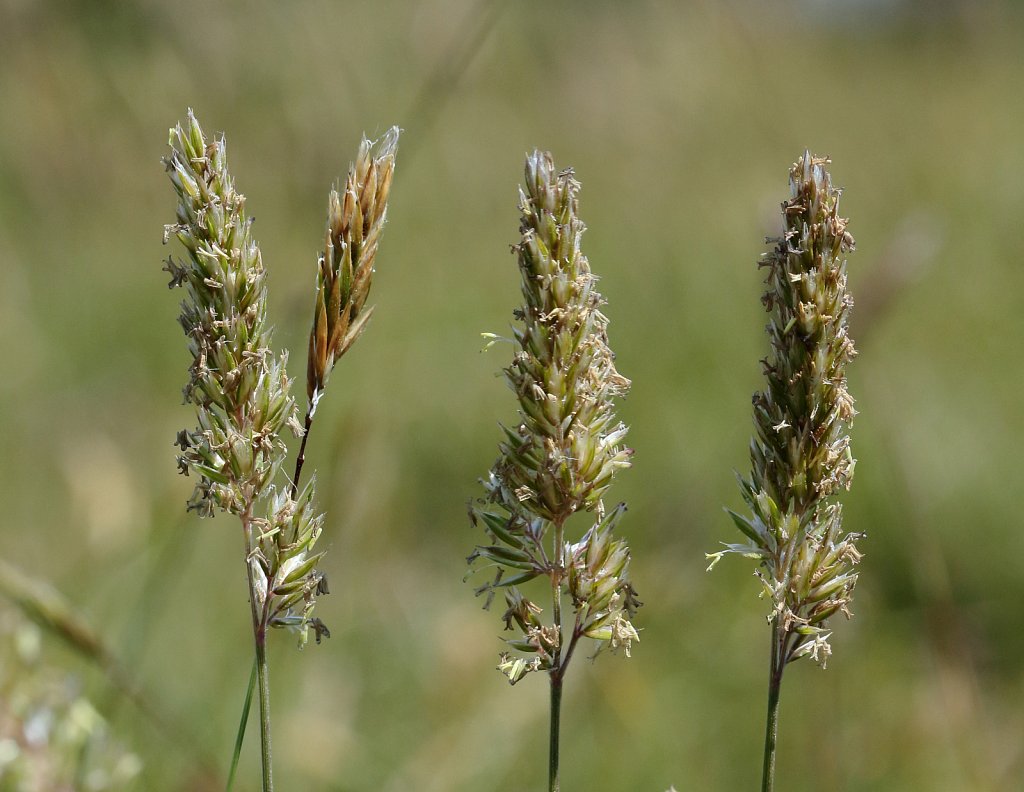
[301, 458]
[263, 675]
[259, 632]
[556, 714]
[772, 724]
[557, 671]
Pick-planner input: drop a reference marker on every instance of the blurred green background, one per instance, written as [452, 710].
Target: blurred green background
[681, 121]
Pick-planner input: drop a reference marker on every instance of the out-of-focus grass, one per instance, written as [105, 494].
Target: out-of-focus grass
[681, 124]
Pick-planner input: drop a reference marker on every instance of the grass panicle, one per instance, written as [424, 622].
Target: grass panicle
[800, 452]
[561, 457]
[355, 221]
[242, 396]
[240, 389]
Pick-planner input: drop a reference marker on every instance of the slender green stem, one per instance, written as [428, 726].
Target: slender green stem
[556, 707]
[772, 725]
[302, 451]
[558, 670]
[259, 633]
[556, 588]
[556, 712]
[263, 673]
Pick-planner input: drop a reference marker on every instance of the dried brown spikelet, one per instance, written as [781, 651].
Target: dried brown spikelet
[355, 220]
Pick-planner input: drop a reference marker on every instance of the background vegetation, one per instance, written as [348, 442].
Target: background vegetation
[681, 121]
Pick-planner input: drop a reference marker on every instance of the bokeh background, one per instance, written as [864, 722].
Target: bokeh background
[681, 121]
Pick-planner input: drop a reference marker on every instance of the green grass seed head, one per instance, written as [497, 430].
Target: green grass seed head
[564, 452]
[800, 453]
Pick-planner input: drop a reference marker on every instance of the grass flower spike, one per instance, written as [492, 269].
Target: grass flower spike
[242, 397]
[800, 454]
[355, 221]
[241, 391]
[562, 456]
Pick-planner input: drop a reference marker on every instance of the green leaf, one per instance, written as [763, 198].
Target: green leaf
[514, 580]
[746, 527]
[210, 473]
[517, 559]
[498, 525]
[240, 737]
